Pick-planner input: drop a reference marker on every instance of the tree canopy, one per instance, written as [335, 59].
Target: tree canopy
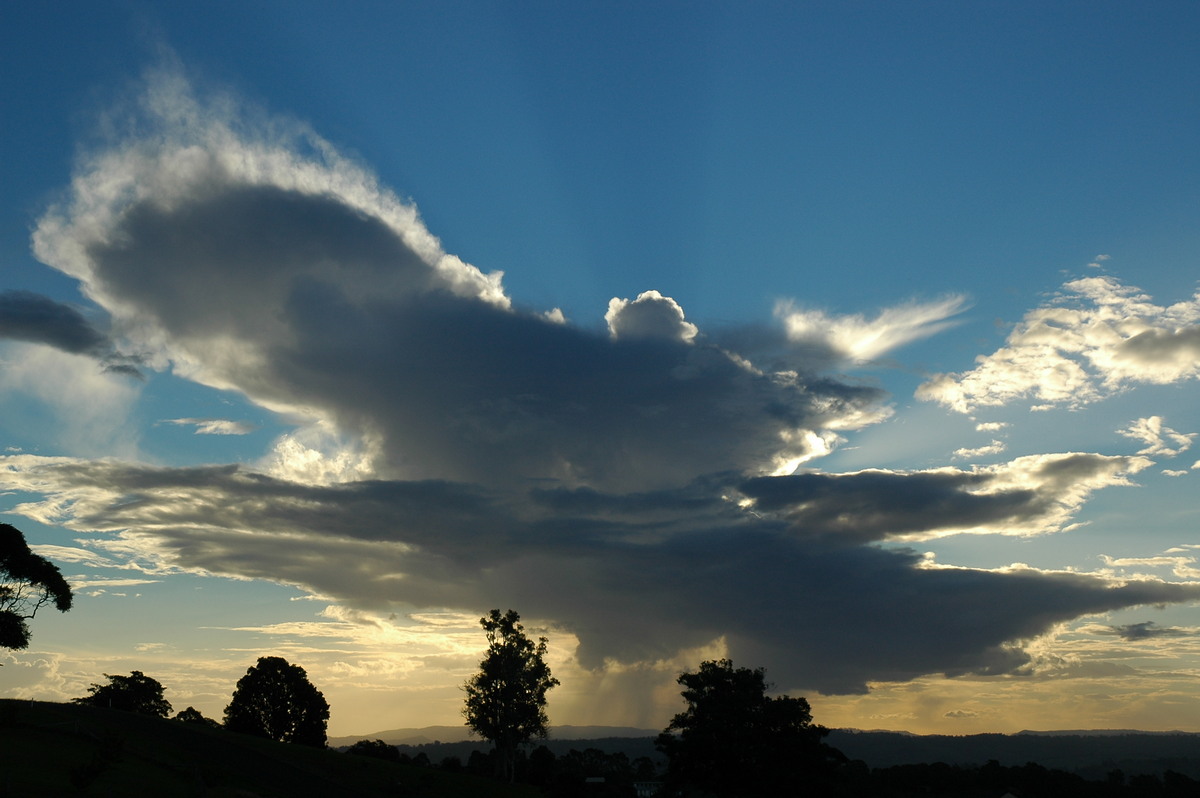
[506, 700]
[193, 715]
[276, 700]
[27, 583]
[136, 692]
[734, 741]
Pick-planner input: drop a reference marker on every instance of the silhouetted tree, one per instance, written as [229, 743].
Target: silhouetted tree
[733, 740]
[376, 749]
[27, 583]
[136, 692]
[276, 700]
[506, 700]
[193, 715]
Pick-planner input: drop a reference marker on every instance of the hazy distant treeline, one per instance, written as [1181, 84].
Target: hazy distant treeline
[1090, 756]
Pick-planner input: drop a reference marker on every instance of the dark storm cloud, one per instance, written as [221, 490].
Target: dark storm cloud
[26, 316]
[636, 577]
[874, 505]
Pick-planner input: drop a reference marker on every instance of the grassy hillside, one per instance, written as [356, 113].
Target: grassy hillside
[51, 749]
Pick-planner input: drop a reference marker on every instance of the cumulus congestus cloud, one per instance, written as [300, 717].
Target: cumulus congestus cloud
[302, 284]
[637, 484]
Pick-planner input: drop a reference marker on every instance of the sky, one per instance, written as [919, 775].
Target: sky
[854, 341]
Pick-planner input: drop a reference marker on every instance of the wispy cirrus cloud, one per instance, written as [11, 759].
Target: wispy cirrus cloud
[214, 426]
[860, 339]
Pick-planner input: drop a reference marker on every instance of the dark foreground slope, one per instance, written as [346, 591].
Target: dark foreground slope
[49, 749]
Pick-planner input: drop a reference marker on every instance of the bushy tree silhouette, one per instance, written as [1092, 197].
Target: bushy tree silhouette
[136, 692]
[27, 583]
[276, 700]
[506, 700]
[734, 741]
[193, 715]
[377, 749]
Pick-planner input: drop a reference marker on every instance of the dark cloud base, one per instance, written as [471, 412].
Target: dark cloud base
[822, 614]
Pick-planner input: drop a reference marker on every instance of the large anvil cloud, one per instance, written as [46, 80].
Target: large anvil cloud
[635, 483]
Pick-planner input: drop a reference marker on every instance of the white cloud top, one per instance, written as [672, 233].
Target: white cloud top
[1160, 440]
[650, 316]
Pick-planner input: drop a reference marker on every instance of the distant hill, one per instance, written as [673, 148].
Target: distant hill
[50, 749]
[455, 734]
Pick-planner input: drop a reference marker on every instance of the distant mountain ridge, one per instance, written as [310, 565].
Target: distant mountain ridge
[456, 734]
[1101, 733]
[1090, 753]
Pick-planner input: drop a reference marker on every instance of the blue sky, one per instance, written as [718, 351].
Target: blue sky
[855, 341]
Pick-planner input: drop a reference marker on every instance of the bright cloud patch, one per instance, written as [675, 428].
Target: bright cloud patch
[995, 447]
[1159, 439]
[860, 339]
[1096, 338]
[650, 316]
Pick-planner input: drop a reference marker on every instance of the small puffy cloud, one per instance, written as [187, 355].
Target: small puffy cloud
[1181, 566]
[1097, 337]
[215, 426]
[651, 316]
[1159, 439]
[995, 447]
[958, 714]
[1146, 630]
[860, 339]
[991, 426]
